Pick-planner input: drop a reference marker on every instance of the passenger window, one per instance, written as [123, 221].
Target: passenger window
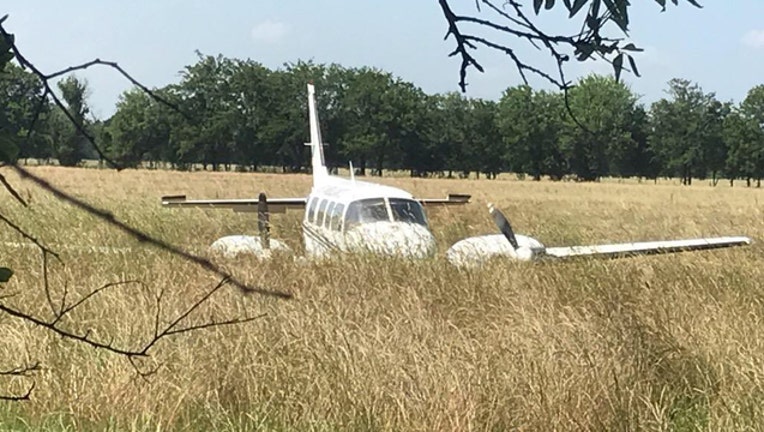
[329, 212]
[312, 209]
[320, 213]
[336, 223]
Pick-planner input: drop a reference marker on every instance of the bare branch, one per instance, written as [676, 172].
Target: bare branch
[461, 46]
[12, 191]
[170, 329]
[28, 236]
[66, 309]
[588, 41]
[22, 370]
[110, 219]
[22, 397]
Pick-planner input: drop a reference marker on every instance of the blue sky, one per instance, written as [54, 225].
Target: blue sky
[721, 46]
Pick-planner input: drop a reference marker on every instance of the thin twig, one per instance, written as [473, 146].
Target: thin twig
[142, 237]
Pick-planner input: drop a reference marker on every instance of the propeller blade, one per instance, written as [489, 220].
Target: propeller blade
[503, 224]
[263, 221]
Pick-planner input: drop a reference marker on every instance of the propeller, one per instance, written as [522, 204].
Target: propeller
[263, 221]
[503, 224]
[523, 253]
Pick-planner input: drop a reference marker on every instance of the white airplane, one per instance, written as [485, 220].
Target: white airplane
[341, 215]
[345, 216]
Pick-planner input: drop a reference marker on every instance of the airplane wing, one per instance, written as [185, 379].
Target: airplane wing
[646, 248]
[275, 205]
[451, 199]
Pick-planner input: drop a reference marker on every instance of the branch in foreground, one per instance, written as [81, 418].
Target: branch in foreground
[54, 324]
[143, 237]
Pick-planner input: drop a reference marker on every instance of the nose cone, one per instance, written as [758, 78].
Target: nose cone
[398, 239]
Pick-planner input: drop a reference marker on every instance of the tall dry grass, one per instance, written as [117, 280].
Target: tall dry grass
[650, 343]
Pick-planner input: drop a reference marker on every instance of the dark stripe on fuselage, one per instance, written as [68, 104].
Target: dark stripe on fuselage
[318, 237]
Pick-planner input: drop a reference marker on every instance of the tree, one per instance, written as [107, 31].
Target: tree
[531, 123]
[71, 147]
[512, 20]
[137, 129]
[450, 134]
[744, 134]
[379, 117]
[598, 133]
[20, 94]
[484, 148]
[687, 131]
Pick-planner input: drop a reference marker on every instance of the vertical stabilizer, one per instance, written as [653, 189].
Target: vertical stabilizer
[316, 146]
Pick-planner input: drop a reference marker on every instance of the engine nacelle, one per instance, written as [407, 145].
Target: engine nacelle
[474, 251]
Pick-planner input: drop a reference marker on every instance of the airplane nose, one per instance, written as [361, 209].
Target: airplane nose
[398, 239]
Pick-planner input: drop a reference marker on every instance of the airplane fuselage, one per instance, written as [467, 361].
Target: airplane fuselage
[345, 215]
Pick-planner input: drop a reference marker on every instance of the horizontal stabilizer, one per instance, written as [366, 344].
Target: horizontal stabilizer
[451, 199]
[646, 248]
[275, 205]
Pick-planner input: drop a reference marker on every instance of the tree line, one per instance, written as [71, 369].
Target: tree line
[226, 113]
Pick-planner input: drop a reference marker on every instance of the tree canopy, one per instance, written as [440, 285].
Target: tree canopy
[239, 113]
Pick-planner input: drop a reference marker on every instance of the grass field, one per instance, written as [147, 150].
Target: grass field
[650, 343]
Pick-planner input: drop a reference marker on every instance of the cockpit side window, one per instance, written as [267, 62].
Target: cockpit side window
[406, 210]
[366, 211]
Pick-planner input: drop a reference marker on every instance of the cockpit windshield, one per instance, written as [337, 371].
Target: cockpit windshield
[406, 210]
[376, 210]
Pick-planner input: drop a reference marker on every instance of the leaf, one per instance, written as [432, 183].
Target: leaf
[662, 3]
[618, 14]
[631, 47]
[549, 4]
[576, 7]
[5, 274]
[633, 65]
[618, 66]
[584, 51]
[537, 5]
[593, 23]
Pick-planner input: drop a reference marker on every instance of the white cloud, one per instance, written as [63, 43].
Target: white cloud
[754, 39]
[269, 31]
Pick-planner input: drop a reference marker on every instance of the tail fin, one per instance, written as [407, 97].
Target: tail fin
[316, 145]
